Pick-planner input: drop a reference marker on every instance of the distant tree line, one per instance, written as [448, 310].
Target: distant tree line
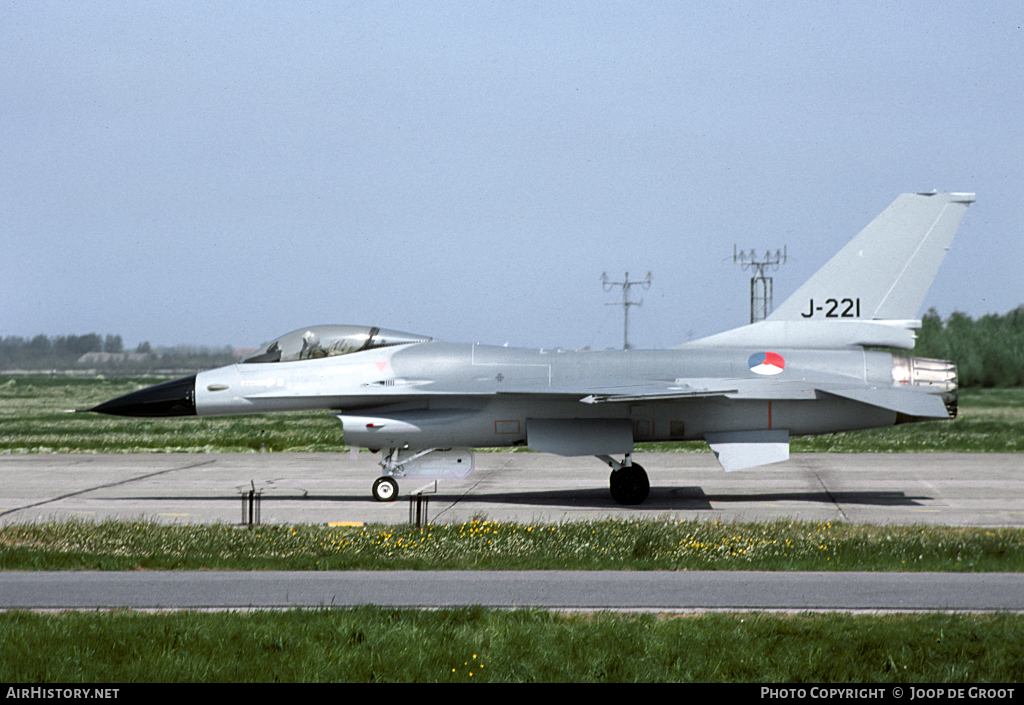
[65, 352]
[989, 351]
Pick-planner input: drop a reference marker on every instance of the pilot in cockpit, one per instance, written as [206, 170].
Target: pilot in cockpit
[311, 349]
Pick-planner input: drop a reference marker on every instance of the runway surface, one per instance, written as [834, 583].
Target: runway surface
[562, 590]
[928, 488]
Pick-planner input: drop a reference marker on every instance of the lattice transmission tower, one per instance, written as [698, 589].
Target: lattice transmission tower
[626, 303]
[760, 285]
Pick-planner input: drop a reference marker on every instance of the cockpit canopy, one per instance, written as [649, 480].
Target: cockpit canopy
[328, 341]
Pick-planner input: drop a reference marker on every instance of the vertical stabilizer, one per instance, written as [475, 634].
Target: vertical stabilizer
[884, 272]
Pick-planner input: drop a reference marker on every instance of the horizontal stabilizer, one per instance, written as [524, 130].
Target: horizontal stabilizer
[739, 450]
[915, 404]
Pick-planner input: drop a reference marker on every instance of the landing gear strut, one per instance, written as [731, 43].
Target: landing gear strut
[628, 481]
[385, 489]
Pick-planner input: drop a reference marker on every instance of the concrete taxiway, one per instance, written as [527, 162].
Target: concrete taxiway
[928, 488]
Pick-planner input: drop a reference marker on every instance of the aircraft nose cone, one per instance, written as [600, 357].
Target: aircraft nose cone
[175, 398]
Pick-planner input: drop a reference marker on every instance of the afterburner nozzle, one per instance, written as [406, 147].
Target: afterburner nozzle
[936, 376]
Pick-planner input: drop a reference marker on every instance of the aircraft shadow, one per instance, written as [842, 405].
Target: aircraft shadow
[660, 499]
[694, 498]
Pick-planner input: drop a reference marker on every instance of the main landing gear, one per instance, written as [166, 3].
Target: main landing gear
[628, 481]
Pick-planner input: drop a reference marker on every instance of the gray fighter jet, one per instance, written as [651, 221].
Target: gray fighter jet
[811, 367]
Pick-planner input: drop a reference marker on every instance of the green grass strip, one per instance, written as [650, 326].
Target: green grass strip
[612, 544]
[481, 645]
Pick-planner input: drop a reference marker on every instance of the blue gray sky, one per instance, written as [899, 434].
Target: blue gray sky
[221, 173]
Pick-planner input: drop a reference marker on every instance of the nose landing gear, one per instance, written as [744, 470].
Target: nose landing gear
[385, 489]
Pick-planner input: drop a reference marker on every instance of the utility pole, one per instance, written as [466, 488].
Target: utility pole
[760, 285]
[626, 303]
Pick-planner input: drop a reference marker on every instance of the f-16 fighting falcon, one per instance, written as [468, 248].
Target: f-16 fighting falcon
[811, 367]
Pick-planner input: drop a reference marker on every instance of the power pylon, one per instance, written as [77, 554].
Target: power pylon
[760, 285]
[626, 303]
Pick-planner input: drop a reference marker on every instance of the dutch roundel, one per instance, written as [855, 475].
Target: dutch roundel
[766, 363]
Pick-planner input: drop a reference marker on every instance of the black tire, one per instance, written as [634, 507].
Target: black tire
[629, 485]
[385, 489]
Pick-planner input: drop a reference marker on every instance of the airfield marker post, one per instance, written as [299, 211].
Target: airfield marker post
[251, 501]
[420, 501]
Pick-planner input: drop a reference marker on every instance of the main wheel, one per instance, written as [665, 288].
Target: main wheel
[629, 485]
[385, 489]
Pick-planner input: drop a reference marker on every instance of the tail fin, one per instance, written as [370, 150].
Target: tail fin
[884, 272]
[871, 291]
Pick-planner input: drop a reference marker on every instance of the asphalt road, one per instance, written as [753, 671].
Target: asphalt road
[561, 590]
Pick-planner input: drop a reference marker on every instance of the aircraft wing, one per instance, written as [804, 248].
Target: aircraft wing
[903, 401]
[696, 388]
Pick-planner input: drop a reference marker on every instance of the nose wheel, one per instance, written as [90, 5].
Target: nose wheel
[385, 489]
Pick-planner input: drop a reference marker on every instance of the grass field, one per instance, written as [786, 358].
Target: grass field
[481, 645]
[33, 419]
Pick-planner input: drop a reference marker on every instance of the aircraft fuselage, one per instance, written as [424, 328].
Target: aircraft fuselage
[447, 394]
